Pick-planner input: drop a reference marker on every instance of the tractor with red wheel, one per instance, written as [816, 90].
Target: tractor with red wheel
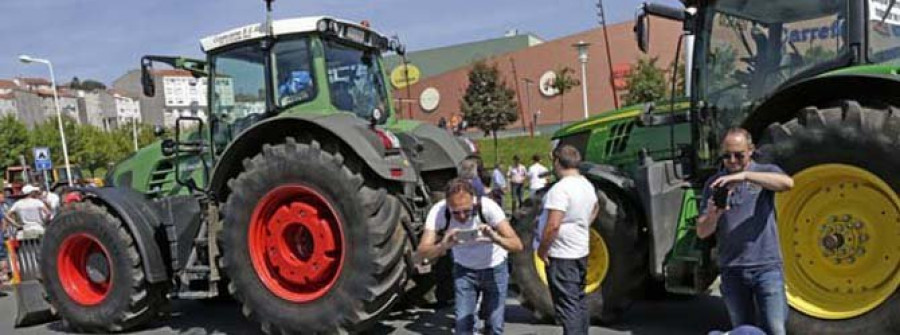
[299, 193]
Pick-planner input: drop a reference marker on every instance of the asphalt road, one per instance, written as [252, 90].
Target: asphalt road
[674, 316]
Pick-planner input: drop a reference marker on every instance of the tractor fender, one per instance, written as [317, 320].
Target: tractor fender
[608, 174]
[787, 102]
[347, 130]
[140, 217]
[434, 148]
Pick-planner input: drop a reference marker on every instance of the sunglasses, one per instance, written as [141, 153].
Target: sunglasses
[735, 155]
[463, 212]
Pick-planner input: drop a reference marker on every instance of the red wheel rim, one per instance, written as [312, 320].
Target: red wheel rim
[85, 272]
[296, 243]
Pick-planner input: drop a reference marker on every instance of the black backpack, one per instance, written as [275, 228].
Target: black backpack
[440, 232]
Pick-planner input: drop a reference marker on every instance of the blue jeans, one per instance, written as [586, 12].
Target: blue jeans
[756, 293]
[492, 284]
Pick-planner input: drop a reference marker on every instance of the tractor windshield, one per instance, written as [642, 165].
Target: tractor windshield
[355, 80]
[753, 47]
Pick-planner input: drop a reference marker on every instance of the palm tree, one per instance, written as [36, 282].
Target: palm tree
[564, 82]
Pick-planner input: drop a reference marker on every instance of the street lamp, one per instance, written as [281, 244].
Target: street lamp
[62, 134]
[582, 48]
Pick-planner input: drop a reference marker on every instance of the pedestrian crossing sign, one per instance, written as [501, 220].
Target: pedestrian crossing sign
[42, 159]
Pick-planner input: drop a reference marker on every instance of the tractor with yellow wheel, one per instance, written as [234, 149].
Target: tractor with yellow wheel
[815, 83]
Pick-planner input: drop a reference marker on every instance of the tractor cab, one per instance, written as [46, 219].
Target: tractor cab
[319, 63]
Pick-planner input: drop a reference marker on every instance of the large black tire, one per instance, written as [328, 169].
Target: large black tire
[619, 227]
[367, 222]
[864, 137]
[129, 300]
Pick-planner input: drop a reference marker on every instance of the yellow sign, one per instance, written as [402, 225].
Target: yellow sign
[403, 76]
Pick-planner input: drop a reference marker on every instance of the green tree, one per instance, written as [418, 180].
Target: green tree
[46, 134]
[488, 103]
[92, 85]
[645, 82]
[563, 82]
[14, 140]
[87, 85]
[95, 148]
[681, 78]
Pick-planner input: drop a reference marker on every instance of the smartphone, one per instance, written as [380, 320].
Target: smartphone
[467, 235]
[720, 197]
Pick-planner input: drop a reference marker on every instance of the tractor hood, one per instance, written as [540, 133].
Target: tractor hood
[615, 137]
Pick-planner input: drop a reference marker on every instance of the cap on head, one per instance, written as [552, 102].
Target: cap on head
[28, 189]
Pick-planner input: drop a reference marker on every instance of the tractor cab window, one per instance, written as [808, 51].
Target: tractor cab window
[239, 91]
[355, 80]
[883, 32]
[753, 47]
[293, 71]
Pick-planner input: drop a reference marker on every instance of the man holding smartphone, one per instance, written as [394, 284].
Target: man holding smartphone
[477, 231]
[739, 207]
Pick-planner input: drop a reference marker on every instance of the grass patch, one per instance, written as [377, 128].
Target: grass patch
[523, 146]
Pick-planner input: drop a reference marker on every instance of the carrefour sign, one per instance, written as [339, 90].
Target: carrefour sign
[809, 34]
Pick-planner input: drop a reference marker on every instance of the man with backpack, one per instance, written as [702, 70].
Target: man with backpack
[475, 228]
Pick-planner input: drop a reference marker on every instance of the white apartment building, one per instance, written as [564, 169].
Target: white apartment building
[127, 109]
[7, 99]
[68, 103]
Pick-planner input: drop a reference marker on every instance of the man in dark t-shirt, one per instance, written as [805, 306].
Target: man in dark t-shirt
[744, 225]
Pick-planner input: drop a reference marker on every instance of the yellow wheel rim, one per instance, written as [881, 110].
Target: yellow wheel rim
[838, 228]
[597, 264]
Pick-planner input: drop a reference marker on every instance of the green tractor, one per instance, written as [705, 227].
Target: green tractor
[816, 84]
[301, 194]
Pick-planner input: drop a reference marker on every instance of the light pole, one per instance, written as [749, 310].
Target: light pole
[528, 83]
[62, 134]
[134, 132]
[582, 48]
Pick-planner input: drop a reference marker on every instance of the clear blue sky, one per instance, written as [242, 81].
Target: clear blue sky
[102, 39]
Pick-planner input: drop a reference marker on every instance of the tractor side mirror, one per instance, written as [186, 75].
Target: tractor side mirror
[168, 147]
[642, 30]
[147, 77]
[642, 21]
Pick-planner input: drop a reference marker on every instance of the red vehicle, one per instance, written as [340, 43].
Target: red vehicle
[15, 178]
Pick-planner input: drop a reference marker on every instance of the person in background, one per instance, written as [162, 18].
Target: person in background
[4, 258]
[29, 214]
[71, 198]
[536, 175]
[498, 185]
[517, 173]
[52, 201]
[442, 123]
[468, 170]
[570, 206]
[478, 233]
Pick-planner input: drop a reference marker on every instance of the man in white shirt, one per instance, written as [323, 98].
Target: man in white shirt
[52, 201]
[30, 211]
[477, 231]
[516, 174]
[536, 172]
[570, 206]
